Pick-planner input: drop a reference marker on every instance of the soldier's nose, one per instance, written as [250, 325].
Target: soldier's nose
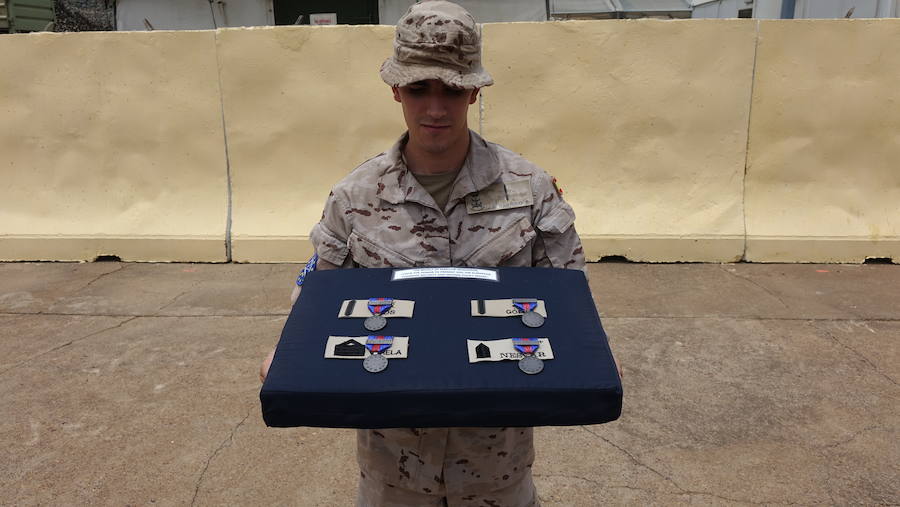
[436, 109]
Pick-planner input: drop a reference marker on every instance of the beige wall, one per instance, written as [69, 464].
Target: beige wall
[643, 123]
[823, 179]
[303, 107]
[112, 143]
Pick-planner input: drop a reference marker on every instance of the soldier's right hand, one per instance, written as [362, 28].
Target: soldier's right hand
[264, 367]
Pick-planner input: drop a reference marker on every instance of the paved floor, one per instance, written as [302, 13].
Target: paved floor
[127, 384]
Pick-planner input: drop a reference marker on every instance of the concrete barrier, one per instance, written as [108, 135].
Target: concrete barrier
[298, 120]
[644, 124]
[303, 107]
[113, 143]
[823, 179]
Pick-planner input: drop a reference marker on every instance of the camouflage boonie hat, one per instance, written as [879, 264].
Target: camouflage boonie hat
[436, 40]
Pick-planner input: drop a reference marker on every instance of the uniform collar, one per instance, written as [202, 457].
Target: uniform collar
[480, 168]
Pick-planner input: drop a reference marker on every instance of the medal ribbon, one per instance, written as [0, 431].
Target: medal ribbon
[525, 306]
[378, 343]
[380, 305]
[527, 346]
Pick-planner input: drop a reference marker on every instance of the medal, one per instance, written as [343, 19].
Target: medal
[375, 323]
[533, 319]
[529, 317]
[528, 346]
[531, 365]
[376, 345]
[375, 363]
[378, 306]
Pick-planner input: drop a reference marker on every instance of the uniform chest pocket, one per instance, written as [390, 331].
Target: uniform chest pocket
[503, 246]
[369, 254]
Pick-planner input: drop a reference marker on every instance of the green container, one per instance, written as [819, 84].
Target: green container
[4, 17]
[26, 15]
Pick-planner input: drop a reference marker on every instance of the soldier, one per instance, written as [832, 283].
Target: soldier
[443, 196]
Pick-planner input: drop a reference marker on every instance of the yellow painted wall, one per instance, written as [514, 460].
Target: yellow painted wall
[303, 107]
[644, 123]
[823, 182]
[112, 143]
[298, 120]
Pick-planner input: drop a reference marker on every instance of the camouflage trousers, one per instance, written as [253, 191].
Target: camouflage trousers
[446, 467]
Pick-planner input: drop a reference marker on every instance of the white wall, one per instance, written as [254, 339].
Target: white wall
[493, 11]
[888, 8]
[838, 8]
[192, 14]
[718, 9]
[767, 9]
[762, 9]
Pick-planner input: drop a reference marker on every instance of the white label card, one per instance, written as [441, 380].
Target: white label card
[360, 309]
[471, 273]
[502, 308]
[504, 350]
[354, 347]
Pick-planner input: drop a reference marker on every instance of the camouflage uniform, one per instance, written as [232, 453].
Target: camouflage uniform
[379, 216]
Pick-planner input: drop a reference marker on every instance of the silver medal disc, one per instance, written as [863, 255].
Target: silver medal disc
[375, 322]
[532, 319]
[375, 363]
[531, 365]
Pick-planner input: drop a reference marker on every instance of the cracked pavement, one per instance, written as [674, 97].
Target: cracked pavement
[745, 384]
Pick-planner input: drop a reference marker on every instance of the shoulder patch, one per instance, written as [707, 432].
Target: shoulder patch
[559, 191]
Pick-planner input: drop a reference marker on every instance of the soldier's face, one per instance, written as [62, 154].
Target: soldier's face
[435, 114]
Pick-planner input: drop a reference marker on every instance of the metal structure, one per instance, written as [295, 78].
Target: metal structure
[82, 15]
[796, 9]
[192, 14]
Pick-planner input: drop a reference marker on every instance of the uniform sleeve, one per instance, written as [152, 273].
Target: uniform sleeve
[557, 244]
[329, 236]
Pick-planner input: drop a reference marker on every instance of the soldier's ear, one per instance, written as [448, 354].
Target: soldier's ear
[396, 91]
[474, 96]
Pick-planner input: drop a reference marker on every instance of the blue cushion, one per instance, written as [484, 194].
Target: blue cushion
[436, 386]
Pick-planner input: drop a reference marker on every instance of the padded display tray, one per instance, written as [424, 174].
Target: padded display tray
[436, 386]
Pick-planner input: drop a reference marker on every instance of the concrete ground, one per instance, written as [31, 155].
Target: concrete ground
[127, 384]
